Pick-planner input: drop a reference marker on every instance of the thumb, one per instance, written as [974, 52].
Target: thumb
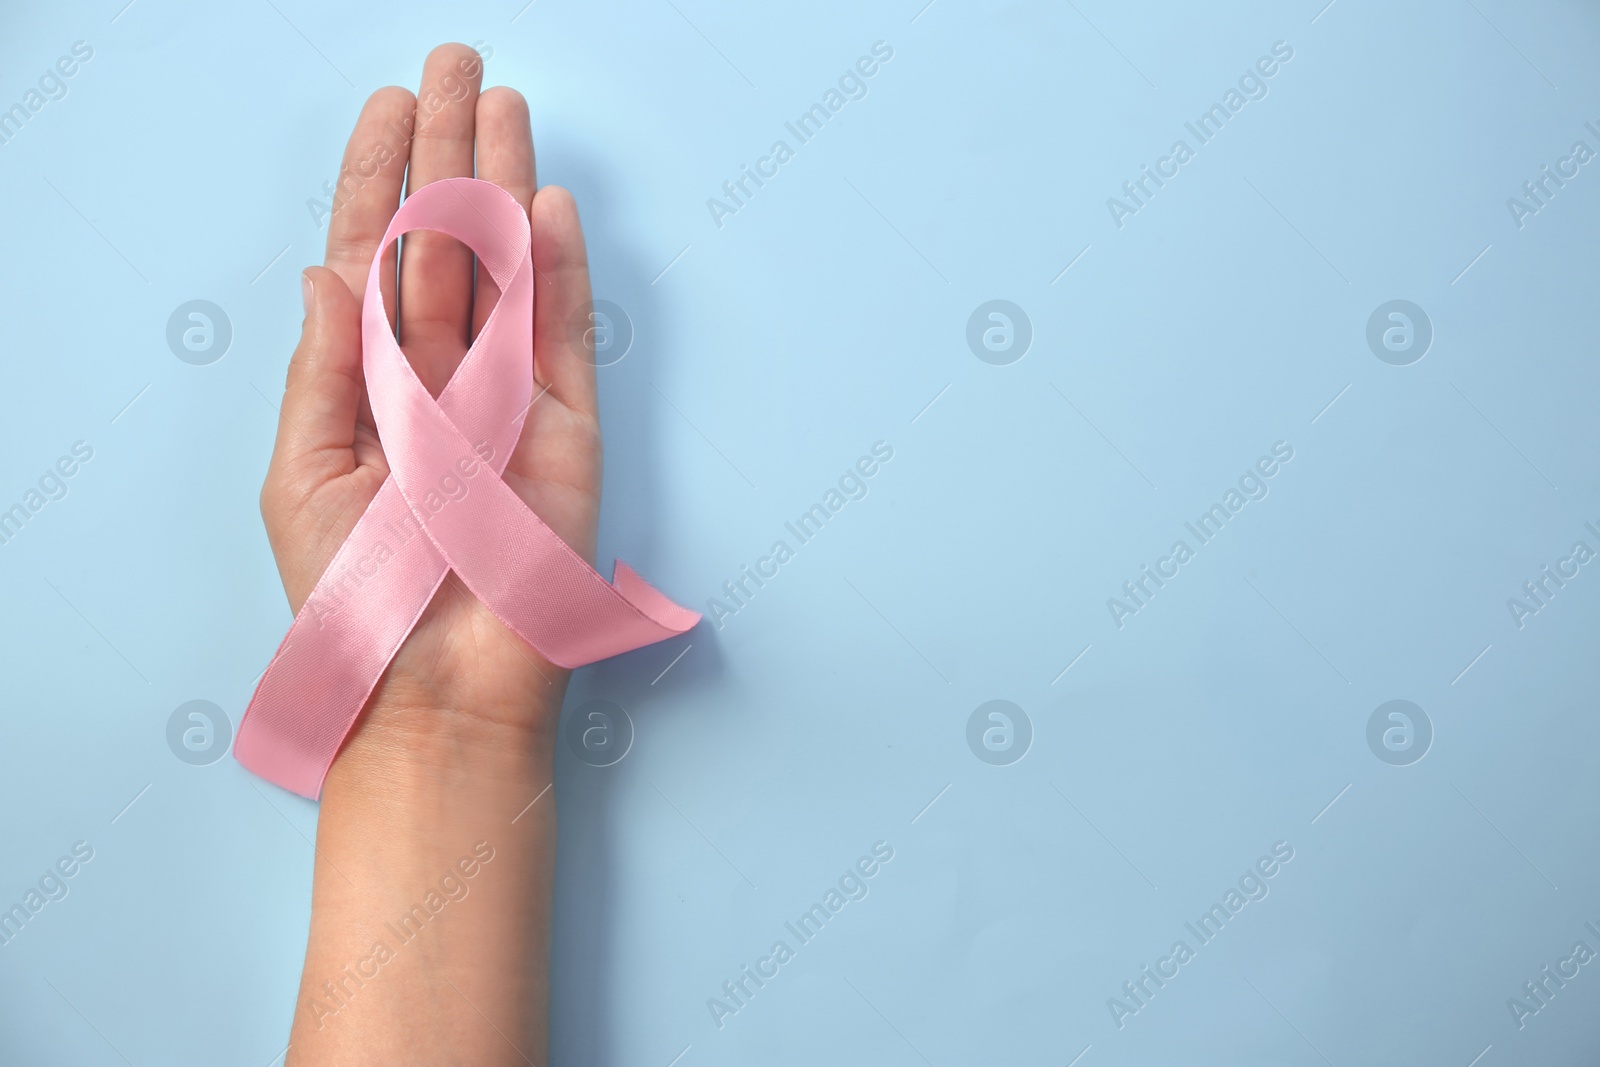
[317, 421]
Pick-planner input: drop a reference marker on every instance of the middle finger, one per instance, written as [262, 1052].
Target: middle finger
[435, 270]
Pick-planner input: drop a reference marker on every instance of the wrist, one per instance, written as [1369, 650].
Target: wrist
[422, 736]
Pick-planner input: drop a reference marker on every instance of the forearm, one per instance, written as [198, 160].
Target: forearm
[430, 916]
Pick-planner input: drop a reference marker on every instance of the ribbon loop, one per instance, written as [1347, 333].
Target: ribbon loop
[443, 507]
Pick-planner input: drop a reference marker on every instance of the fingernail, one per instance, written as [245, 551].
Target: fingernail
[306, 291]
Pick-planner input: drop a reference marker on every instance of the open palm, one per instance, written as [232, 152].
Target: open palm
[328, 462]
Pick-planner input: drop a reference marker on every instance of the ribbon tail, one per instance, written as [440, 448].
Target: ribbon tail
[651, 602]
[628, 613]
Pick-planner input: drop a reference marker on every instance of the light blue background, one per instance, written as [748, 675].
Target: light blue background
[830, 711]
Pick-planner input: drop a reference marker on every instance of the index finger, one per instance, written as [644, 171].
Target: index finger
[368, 194]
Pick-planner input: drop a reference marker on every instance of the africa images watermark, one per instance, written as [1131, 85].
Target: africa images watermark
[852, 885]
[1252, 886]
[852, 485]
[1539, 191]
[346, 578]
[52, 86]
[52, 886]
[1252, 86]
[340, 992]
[1252, 486]
[361, 171]
[852, 85]
[52, 485]
[1540, 990]
[1538, 592]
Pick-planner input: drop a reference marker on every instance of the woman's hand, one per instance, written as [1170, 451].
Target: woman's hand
[460, 668]
[410, 959]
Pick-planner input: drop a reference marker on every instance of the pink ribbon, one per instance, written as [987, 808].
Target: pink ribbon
[445, 459]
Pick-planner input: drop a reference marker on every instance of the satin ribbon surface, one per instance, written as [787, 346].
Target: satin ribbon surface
[443, 507]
